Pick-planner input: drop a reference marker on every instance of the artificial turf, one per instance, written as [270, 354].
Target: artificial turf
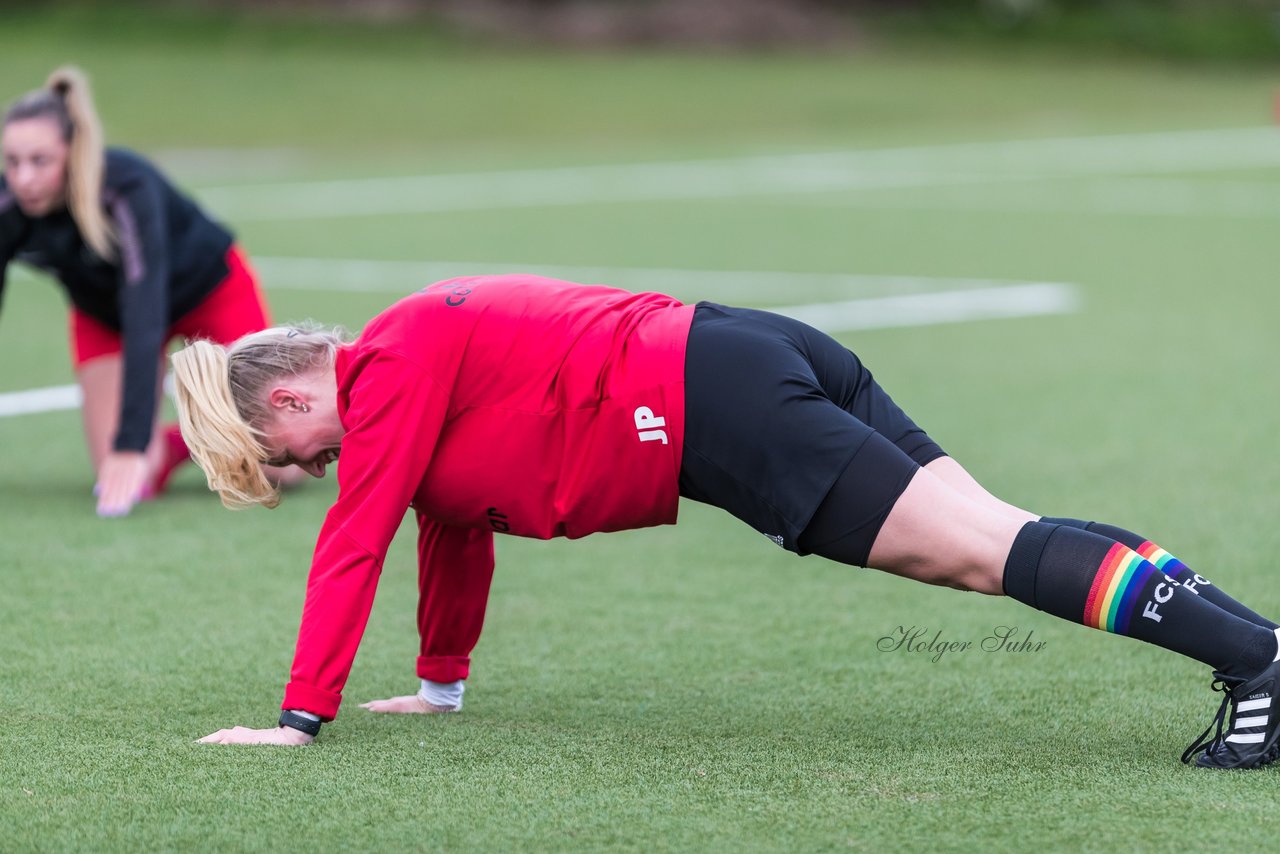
[694, 687]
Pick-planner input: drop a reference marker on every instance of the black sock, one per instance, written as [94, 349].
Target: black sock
[1090, 579]
[1170, 566]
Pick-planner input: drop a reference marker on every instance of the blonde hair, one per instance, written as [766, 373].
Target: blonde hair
[67, 100]
[222, 406]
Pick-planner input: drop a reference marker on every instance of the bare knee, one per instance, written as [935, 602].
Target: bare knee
[936, 535]
[100, 387]
[955, 476]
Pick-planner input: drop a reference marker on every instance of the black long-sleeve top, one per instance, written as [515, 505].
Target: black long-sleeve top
[169, 257]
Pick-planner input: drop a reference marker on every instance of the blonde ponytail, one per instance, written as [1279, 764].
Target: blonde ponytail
[87, 160]
[222, 408]
[221, 443]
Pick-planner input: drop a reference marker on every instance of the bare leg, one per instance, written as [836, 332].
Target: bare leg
[939, 535]
[101, 381]
[955, 476]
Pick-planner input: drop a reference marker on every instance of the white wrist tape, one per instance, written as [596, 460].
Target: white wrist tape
[447, 695]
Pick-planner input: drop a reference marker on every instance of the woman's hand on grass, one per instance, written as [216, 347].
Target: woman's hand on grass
[413, 704]
[121, 482]
[245, 735]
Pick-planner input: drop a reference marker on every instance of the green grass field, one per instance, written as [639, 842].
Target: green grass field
[690, 687]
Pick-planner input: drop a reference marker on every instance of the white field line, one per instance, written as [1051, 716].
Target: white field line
[1156, 153]
[207, 165]
[917, 309]
[51, 399]
[402, 277]
[928, 309]
[1116, 196]
[507, 190]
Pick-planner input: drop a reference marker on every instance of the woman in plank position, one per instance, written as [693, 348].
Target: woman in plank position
[542, 408]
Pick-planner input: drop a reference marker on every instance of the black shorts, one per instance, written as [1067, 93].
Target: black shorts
[779, 416]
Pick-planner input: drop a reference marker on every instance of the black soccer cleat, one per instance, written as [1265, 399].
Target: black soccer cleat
[1251, 740]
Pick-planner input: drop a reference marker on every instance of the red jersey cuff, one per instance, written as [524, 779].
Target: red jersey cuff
[443, 668]
[308, 698]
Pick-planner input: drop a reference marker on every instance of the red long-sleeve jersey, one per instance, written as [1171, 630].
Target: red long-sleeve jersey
[515, 404]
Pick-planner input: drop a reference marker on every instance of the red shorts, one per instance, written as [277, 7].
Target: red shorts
[234, 308]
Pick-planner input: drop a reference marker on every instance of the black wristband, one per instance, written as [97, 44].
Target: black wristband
[300, 723]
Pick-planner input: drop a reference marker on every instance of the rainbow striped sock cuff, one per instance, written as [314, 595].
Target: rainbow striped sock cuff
[1161, 559]
[1114, 594]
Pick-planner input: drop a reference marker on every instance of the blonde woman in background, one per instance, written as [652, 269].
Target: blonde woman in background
[141, 264]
